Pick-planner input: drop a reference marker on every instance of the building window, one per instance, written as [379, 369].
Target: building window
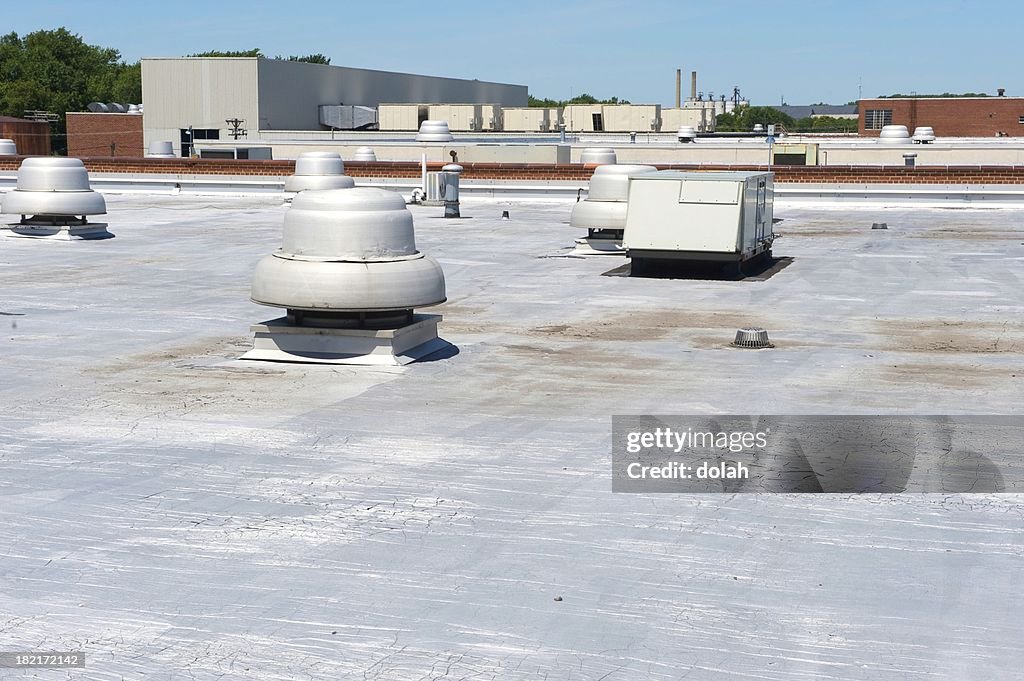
[1021, 120]
[876, 119]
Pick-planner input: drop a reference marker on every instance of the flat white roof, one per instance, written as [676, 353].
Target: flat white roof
[173, 511]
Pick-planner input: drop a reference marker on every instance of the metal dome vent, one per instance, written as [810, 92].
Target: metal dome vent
[597, 156]
[8, 147]
[894, 134]
[686, 133]
[54, 199]
[603, 213]
[364, 154]
[349, 275]
[924, 134]
[318, 170]
[752, 338]
[161, 149]
[434, 131]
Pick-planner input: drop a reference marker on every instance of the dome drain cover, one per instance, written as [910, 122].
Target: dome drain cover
[752, 338]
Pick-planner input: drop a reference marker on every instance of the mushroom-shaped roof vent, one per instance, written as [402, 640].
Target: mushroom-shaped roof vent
[318, 170]
[605, 205]
[597, 156]
[8, 148]
[894, 134]
[434, 131]
[160, 149]
[364, 154]
[349, 250]
[53, 186]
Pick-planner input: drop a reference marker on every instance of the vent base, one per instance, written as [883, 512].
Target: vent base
[59, 228]
[279, 340]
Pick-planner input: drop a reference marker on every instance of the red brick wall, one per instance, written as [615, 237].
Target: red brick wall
[91, 134]
[31, 137]
[952, 117]
[539, 172]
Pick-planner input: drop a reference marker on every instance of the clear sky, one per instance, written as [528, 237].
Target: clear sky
[806, 52]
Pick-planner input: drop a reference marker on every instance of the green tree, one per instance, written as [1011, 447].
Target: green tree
[255, 52]
[744, 118]
[57, 71]
[309, 58]
[578, 99]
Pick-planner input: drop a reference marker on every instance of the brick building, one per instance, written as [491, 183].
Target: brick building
[31, 137]
[104, 134]
[950, 116]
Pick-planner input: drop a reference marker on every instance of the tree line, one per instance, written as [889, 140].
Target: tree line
[744, 118]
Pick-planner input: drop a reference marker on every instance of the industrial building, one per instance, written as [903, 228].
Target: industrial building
[104, 134]
[190, 99]
[997, 116]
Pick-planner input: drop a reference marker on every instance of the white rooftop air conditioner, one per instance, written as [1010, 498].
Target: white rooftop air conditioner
[705, 216]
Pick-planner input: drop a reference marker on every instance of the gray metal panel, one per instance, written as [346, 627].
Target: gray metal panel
[290, 92]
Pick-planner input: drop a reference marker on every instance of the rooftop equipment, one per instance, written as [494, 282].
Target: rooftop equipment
[686, 133]
[699, 216]
[597, 156]
[364, 154]
[318, 170]
[347, 117]
[923, 134]
[603, 212]
[894, 134]
[8, 147]
[752, 338]
[349, 275]
[53, 198]
[434, 131]
[160, 149]
[450, 184]
[134, 109]
[237, 153]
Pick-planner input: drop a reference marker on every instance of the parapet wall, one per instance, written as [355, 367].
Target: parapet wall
[940, 175]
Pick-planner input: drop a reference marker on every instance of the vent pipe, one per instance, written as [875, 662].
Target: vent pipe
[679, 88]
[693, 85]
[54, 199]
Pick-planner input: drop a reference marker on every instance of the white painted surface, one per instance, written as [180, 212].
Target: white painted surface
[177, 514]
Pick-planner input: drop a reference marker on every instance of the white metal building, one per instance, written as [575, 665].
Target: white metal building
[203, 93]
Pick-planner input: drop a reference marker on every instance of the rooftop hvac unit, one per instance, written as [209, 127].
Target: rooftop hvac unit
[708, 216]
[346, 117]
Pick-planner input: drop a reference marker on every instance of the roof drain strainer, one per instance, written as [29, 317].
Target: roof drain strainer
[603, 212]
[54, 200]
[318, 170]
[753, 338]
[349, 275]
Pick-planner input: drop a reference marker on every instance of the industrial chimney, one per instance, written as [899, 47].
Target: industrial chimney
[679, 88]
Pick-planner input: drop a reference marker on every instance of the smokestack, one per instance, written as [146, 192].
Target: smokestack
[693, 85]
[679, 87]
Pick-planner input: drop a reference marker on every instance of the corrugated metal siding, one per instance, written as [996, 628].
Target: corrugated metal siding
[202, 93]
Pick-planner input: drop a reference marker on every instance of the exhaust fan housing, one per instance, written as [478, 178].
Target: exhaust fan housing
[434, 131]
[597, 156]
[54, 199]
[318, 170]
[8, 147]
[349, 275]
[365, 154]
[603, 213]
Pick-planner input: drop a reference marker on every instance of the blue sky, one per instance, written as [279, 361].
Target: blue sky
[804, 51]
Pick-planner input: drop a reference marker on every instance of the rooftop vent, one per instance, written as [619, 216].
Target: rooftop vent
[597, 156]
[924, 135]
[8, 147]
[758, 127]
[364, 154]
[603, 213]
[53, 198]
[686, 133]
[134, 109]
[894, 134]
[879, 225]
[349, 275]
[161, 149]
[434, 131]
[752, 338]
[318, 170]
